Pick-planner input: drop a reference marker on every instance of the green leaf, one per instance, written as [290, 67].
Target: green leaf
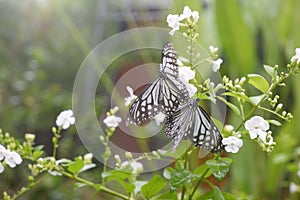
[274, 122]
[181, 176]
[75, 166]
[258, 82]
[168, 196]
[217, 193]
[37, 154]
[121, 177]
[237, 95]
[156, 184]
[271, 71]
[219, 167]
[79, 185]
[201, 169]
[256, 99]
[167, 173]
[230, 105]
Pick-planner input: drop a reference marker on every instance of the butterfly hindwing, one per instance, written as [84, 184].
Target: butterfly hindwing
[192, 122]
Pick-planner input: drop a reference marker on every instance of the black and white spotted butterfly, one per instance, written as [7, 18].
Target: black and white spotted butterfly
[164, 94]
[191, 122]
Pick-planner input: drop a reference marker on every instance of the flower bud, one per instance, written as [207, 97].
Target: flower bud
[128, 155]
[87, 158]
[29, 137]
[102, 139]
[278, 107]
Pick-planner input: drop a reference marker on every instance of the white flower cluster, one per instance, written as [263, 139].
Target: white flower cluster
[11, 158]
[187, 14]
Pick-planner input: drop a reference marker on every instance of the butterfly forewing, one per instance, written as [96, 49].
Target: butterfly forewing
[164, 94]
[192, 122]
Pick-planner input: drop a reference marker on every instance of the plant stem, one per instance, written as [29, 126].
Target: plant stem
[198, 183]
[94, 185]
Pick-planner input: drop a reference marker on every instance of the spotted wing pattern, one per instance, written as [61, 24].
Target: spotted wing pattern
[164, 94]
[191, 121]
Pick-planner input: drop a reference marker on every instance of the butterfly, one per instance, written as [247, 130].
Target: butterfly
[164, 94]
[190, 121]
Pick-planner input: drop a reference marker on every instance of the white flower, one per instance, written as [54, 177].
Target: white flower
[293, 188]
[232, 144]
[159, 118]
[213, 50]
[137, 167]
[3, 152]
[296, 57]
[298, 173]
[13, 158]
[257, 127]
[1, 168]
[112, 121]
[185, 75]
[187, 13]
[216, 64]
[65, 119]
[173, 22]
[132, 97]
[195, 15]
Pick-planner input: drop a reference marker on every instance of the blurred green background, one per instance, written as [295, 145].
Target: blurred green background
[43, 42]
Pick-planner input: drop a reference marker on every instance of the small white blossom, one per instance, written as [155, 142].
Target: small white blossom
[257, 127]
[112, 121]
[159, 118]
[232, 144]
[195, 15]
[173, 22]
[3, 152]
[185, 75]
[1, 168]
[293, 188]
[296, 57]
[187, 13]
[132, 97]
[228, 128]
[217, 64]
[213, 50]
[65, 119]
[13, 158]
[137, 167]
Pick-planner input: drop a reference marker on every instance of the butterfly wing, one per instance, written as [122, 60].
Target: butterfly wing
[147, 105]
[173, 91]
[206, 135]
[164, 94]
[192, 122]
